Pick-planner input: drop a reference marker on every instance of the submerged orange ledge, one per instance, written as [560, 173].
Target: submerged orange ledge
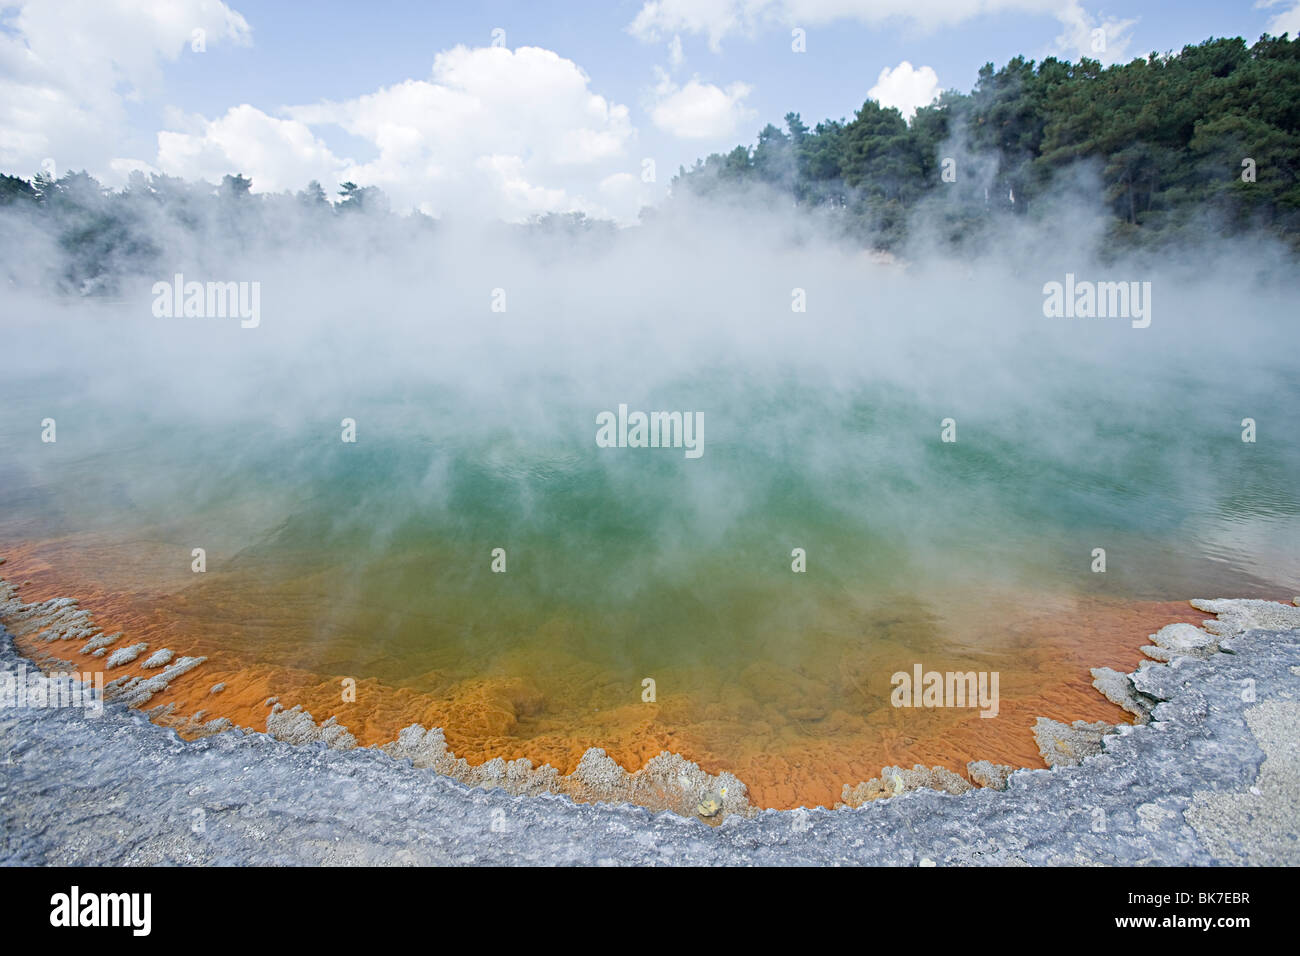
[763, 731]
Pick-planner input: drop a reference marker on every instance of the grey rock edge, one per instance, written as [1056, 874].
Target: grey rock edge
[1211, 777]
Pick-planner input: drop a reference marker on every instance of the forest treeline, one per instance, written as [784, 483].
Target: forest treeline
[1174, 140]
[1173, 144]
[77, 236]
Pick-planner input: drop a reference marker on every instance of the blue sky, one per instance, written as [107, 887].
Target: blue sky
[286, 92]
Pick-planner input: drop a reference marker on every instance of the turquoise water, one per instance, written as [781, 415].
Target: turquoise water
[651, 559]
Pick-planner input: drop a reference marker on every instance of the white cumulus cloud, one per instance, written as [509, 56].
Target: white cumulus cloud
[278, 153]
[493, 131]
[1284, 21]
[718, 19]
[67, 68]
[905, 88]
[700, 110]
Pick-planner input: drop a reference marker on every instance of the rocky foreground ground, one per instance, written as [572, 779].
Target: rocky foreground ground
[1210, 774]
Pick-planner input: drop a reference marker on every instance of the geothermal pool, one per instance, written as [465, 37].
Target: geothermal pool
[649, 599]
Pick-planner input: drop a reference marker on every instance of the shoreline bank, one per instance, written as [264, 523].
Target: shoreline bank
[775, 726]
[1210, 776]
